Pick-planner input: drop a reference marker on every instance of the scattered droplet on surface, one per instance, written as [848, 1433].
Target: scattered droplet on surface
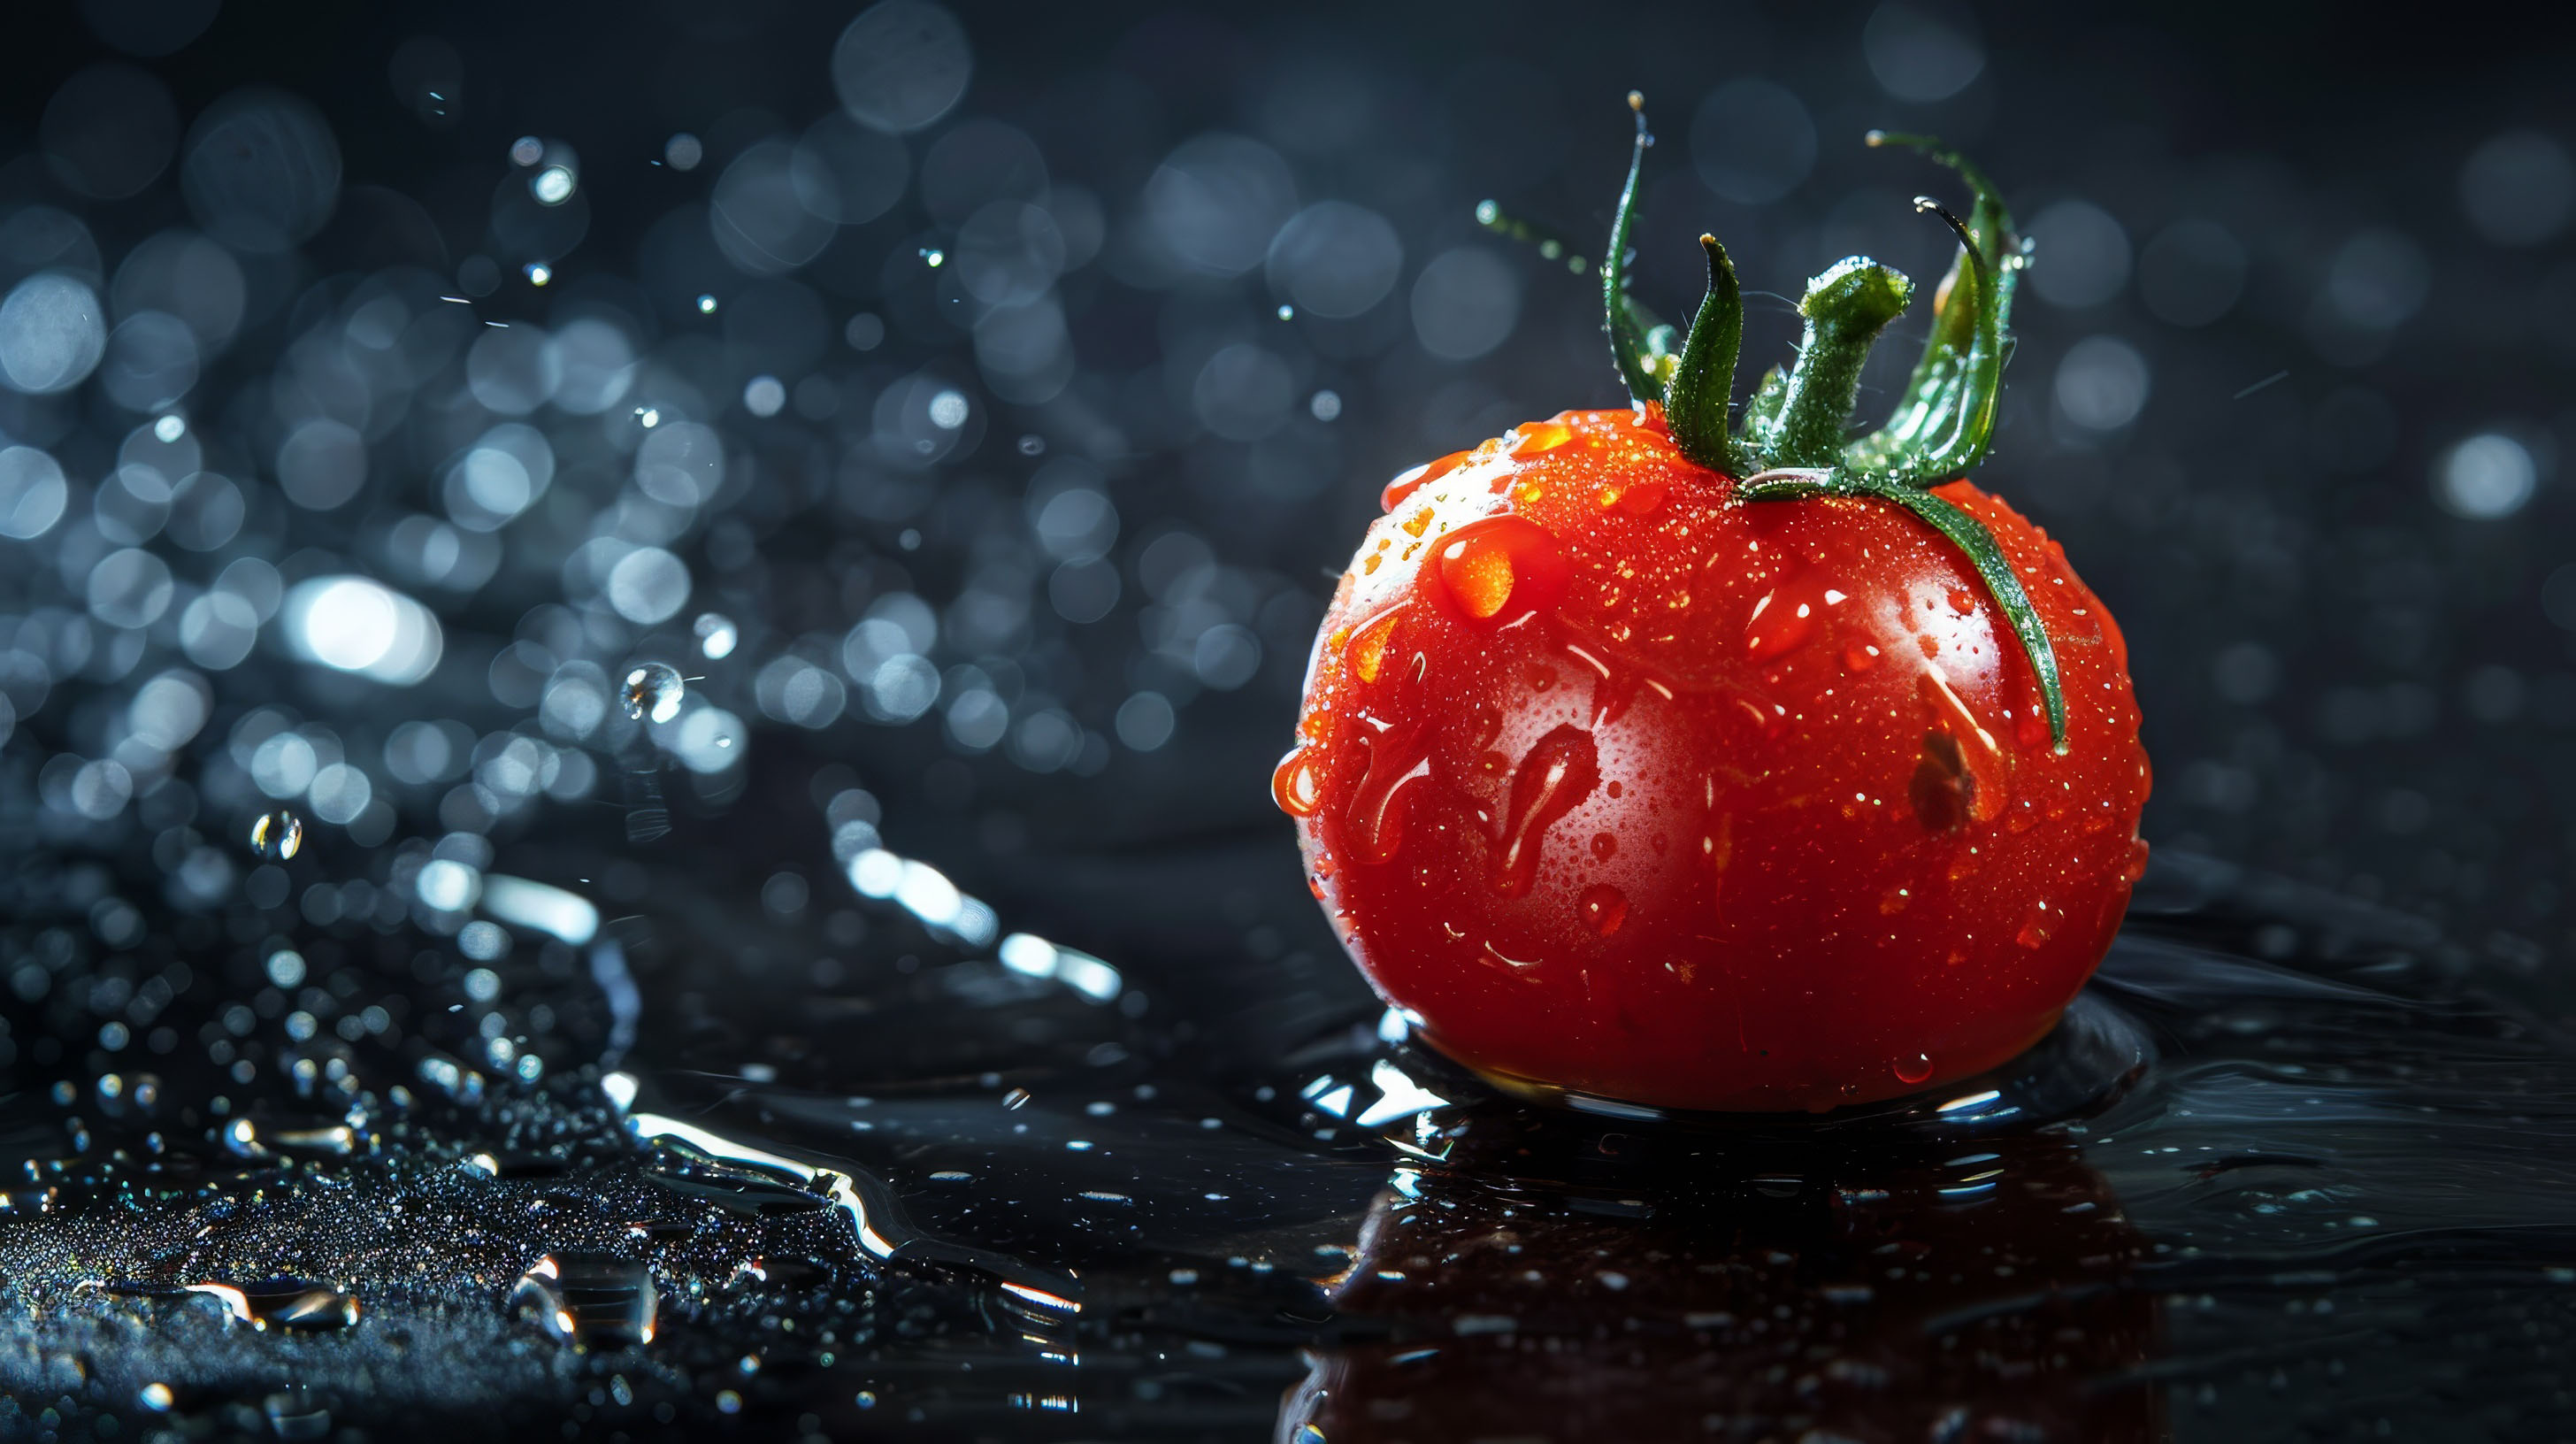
[298, 1304]
[589, 1300]
[294, 1413]
[277, 835]
[652, 692]
[1914, 1069]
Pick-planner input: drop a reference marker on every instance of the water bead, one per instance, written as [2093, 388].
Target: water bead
[652, 692]
[277, 836]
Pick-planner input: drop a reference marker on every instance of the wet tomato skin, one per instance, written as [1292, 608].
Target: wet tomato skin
[1625, 787]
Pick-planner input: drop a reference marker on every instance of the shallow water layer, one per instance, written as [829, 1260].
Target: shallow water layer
[2277, 1171]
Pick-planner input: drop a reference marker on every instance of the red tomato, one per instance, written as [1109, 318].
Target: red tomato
[1626, 786]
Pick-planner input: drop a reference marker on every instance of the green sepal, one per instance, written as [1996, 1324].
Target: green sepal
[1702, 386]
[1949, 402]
[1631, 330]
[1846, 308]
[1965, 532]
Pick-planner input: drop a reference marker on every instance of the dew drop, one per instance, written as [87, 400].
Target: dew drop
[1604, 846]
[1298, 784]
[652, 692]
[1396, 760]
[2036, 927]
[1409, 482]
[1500, 570]
[1913, 1070]
[2135, 867]
[1366, 649]
[1541, 437]
[1631, 498]
[277, 835]
[1962, 601]
[1559, 771]
[1604, 907]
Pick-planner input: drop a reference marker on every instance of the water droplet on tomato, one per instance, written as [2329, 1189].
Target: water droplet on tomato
[1541, 437]
[1859, 656]
[1497, 571]
[1910, 1071]
[2136, 865]
[1396, 760]
[1960, 758]
[1366, 649]
[1605, 846]
[1297, 785]
[1962, 601]
[1558, 772]
[1604, 907]
[2036, 927]
[1407, 483]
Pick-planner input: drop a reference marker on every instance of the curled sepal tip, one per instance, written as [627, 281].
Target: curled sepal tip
[1945, 415]
[1703, 382]
[1963, 531]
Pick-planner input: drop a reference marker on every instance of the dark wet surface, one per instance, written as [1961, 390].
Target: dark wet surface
[943, 1196]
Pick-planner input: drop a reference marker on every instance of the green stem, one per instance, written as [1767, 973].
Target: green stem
[1963, 531]
[1703, 384]
[1629, 330]
[1846, 308]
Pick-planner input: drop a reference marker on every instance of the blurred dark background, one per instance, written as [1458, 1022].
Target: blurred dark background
[2291, 383]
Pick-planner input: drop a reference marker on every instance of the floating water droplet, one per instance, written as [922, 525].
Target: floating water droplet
[706, 305]
[652, 692]
[1913, 1070]
[716, 635]
[1604, 907]
[157, 1397]
[1500, 570]
[589, 1300]
[1298, 784]
[1559, 771]
[277, 835]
